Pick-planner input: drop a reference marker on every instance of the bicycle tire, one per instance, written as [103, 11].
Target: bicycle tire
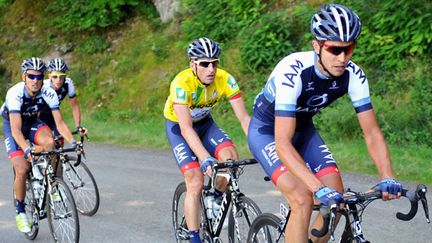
[181, 231]
[62, 210]
[266, 228]
[248, 210]
[30, 208]
[83, 186]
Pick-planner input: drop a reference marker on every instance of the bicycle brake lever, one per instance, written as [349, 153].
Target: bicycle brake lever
[421, 193]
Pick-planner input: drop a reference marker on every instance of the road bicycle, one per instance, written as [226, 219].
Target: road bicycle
[235, 206]
[270, 228]
[80, 180]
[48, 196]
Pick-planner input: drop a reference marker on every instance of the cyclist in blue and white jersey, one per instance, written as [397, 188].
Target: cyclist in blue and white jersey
[282, 136]
[63, 86]
[20, 122]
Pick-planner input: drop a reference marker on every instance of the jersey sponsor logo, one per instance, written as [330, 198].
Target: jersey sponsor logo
[210, 104]
[317, 100]
[179, 153]
[232, 83]
[334, 85]
[49, 94]
[309, 86]
[270, 153]
[359, 72]
[31, 111]
[180, 94]
[290, 76]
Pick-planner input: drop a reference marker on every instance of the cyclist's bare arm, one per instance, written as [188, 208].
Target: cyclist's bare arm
[241, 113]
[76, 111]
[284, 132]
[61, 126]
[187, 131]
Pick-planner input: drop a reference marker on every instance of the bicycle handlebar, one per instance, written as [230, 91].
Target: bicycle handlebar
[329, 212]
[60, 150]
[230, 164]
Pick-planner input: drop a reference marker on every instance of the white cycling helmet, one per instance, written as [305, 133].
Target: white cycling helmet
[204, 48]
[33, 63]
[57, 64]
[335, 22]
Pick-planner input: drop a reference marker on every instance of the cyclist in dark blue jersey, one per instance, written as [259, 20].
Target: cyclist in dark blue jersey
[282, 136]
[20, 113]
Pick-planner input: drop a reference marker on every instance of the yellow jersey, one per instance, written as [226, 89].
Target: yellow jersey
[188, 90]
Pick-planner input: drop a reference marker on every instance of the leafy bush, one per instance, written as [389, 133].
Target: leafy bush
[267, 42]
[221, 19]
[93, 44]
[83, 15]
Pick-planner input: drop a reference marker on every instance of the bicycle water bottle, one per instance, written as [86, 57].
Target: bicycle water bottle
[37, 186]
[36, 172]
[208, 203]
[216, 206]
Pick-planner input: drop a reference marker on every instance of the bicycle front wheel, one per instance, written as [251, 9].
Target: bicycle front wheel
[266, 228]
[62, 213]
[240, 221]
[83, 187]
[181, 231]
[31, 211]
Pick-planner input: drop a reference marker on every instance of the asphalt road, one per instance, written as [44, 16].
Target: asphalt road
[136, 188]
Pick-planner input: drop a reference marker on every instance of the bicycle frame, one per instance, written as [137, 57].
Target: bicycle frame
[230, 197]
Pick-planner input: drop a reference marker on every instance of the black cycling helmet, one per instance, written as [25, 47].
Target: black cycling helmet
[335, 22]
[204, 48]
[34, 63]
[57, 64]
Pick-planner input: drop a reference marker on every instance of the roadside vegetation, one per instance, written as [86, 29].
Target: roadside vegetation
[123, 58]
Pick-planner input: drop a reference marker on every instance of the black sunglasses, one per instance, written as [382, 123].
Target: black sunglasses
[336, 50]
[205, 64]
[35, 76]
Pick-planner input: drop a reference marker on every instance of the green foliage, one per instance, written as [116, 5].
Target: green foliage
[393, 31]
[267, 42]
[220, 19]
[93, 44]
[83, 15]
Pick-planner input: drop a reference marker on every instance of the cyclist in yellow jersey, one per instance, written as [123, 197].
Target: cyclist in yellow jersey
[192, 132]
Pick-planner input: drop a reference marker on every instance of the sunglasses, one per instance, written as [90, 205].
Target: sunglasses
[336, 50]
[205, 64]
[60, 75]
[35, 76]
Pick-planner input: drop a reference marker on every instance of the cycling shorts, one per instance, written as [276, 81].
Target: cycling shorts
[29, 130]
[212, 137]
[48, 119]
[306, 140]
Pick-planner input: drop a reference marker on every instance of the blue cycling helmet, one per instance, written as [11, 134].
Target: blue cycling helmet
[34, 63]
[57, 64]
[335, 22]
[204, 48]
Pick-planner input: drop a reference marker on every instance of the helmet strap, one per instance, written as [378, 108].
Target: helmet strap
[322, 64]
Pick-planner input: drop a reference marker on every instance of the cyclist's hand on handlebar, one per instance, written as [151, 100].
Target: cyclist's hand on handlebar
[326, 195]
[82, 131]
[206, 165]
[390, 188]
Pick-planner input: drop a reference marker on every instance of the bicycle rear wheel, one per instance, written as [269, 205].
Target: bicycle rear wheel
[62, 213]
[266, 228]
[83, 187]
[240, 222]
[181, 231]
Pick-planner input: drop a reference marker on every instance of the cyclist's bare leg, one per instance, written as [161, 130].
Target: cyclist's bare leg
[194, 180]
[224, 155]
[333, 181]
[301, 201]
[45, 142]
[21, 167]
